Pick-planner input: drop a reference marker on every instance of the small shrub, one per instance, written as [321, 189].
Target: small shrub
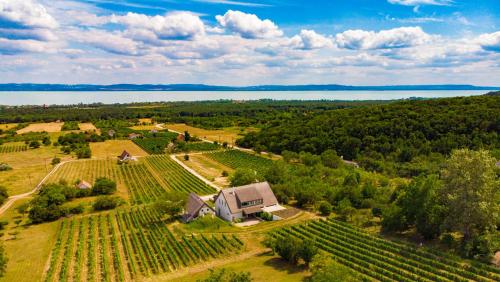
[55, 161]
[106, 203]
[325, 208]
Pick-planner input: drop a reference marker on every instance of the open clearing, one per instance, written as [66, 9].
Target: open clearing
[208, 168]
[40, 127]
[28, 249]
[228, 135]
[113, 148]
[87, 126]
[28, 167]
[7, 126]
[264, 267]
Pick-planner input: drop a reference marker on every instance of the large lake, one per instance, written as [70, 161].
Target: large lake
[111, 97]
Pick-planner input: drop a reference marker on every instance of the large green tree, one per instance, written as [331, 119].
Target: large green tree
[471, 193]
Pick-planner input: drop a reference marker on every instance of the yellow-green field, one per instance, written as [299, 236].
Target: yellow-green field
[145, 127]
[208, 168]
[263, 267]
[228, 135]
[27, 247]
[7, 126]
[87, 126]
[113, 148]
[28, 167]
[40, 127]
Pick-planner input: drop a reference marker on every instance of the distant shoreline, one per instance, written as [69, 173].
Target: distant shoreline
[14, 87]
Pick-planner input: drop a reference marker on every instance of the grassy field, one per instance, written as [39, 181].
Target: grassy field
[29, 168]
[13, 147]
[208, 168]
[27, 250]
[40, 127]
[87, 126]
[228, 135]
[263, 267]
[113, 148]
[7, 126]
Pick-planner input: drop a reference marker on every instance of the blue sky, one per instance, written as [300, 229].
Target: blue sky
[232, 42]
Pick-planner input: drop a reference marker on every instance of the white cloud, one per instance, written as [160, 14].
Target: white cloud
[386, 39]
[309, 39]
[26, 26]
[421, 2]
[172, 26]
[25, 13]
[110, 42]
[248, 25]
[489, 41]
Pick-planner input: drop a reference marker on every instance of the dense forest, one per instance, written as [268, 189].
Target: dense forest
[407, 138]
[209, 115]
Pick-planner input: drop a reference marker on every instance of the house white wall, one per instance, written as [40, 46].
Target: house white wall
[222, 210]
[204, 211]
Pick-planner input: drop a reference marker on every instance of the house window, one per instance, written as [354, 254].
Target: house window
[252, 203]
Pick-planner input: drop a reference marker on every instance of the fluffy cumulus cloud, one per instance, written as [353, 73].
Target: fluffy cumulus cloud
[110, 42]
[309, 39]
[26, 26]
[490, 41]
[172, 26]
[25, 13]
[248, 25]
[421, 2]
[386, 39]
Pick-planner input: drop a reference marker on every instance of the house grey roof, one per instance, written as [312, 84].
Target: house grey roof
[193, 205]
[251, 192]
[124, 155]
[83, 185]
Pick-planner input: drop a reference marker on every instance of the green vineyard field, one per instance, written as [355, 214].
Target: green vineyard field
[126, 245]
[238, 159]
[176, 177]
[382, 260]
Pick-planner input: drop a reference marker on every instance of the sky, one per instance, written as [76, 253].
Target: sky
[250, 42]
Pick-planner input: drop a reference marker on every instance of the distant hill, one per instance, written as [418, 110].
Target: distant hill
[203, 87]
[493, 93]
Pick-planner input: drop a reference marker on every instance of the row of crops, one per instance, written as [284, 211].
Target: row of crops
[155, 145]
[176, 177]
[142, 185]
[87, 170]
[146, 180]
[12, 148]
[383, 260]
[126, 245]
[239, 159]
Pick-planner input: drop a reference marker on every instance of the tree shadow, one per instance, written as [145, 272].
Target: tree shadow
[282, 265]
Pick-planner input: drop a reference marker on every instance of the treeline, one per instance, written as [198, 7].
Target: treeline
[405, 138]
[214, 114]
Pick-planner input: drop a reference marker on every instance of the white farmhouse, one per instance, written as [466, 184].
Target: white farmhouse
[245, 201]
[196, 207]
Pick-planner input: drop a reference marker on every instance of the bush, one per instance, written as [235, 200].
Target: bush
[104, 186]
[3, 223]
[106, 203]
[325, 208]
[77, 209]
[34, 144]
[266, 216]
[186, 157]
[224, 275]
[55, 161]
[3, 194]
[225, 173]
[5, 167]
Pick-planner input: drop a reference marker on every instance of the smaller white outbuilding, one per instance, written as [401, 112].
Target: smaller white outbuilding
[196, 207]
